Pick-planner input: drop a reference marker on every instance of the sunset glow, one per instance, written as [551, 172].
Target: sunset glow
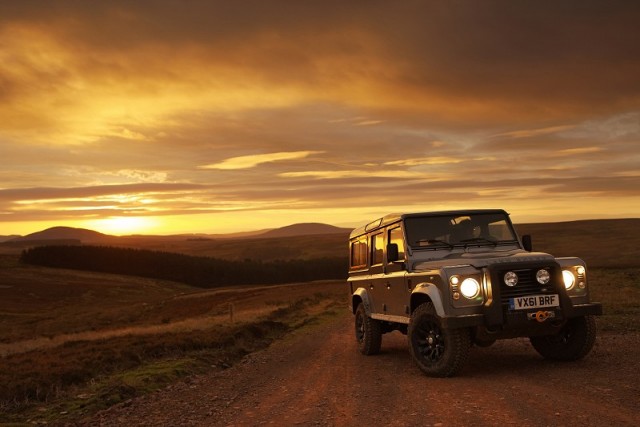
[122, 225]
[215, 117]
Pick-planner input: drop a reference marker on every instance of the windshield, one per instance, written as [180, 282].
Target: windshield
[448, 230]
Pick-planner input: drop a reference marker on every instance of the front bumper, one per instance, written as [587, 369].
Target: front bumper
[501, 317]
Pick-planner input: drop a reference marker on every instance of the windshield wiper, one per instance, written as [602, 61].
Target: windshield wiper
[433, 242]
[480, 240]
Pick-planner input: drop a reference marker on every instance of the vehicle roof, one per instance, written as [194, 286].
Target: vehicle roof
[396, 217]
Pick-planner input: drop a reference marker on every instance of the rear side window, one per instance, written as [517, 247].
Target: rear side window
[395, 236]
[359, 253]
[377, 252]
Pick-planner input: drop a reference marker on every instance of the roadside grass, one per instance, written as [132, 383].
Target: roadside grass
[73, 342]
[619, 292]
[46, 303]
[601, 243]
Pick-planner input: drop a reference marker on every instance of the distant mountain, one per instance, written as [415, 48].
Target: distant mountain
[90, 236]
[236, 235]
[65, 233]
[304, 229]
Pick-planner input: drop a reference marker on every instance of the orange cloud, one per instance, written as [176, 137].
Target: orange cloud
[246, 162]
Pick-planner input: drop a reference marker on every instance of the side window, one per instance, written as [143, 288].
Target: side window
[359, 253]
[377, 252]
[395, 236]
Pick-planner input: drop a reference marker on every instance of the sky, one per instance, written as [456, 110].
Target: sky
[172, 117]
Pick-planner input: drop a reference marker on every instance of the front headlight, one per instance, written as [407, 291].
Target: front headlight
[543, 276]
[569, 279]
[470, 288]
[510, 278]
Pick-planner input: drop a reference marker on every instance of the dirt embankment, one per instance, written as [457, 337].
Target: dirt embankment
[316, 377]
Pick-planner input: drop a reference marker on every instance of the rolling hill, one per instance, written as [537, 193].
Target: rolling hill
[304, 229]
[65, 233]
[91, 236]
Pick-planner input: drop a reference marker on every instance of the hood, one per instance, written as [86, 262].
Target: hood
[483, 259]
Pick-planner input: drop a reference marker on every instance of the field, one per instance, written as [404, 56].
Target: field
[265, 249]
[601, 243]
[257, 248]
[74, 342]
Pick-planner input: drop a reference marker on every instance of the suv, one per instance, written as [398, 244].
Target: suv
[452, 279]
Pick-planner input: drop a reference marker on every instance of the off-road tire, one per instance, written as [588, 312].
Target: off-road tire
[368, 332]
[574, 341]
[437, 351]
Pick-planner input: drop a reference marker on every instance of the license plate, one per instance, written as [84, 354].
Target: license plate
[534, 301]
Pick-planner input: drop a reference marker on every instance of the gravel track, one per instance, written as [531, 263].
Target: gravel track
[316, 377]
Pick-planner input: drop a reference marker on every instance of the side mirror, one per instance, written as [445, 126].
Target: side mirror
[526, 243]
[392, 252]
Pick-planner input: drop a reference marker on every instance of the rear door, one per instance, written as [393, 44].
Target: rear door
[377, 287]
[397, 294]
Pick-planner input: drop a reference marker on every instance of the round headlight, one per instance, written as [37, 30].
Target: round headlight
[569, 279]
[470, 288]
[543, 276]
[510, 278]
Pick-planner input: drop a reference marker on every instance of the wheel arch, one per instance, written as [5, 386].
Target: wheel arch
[361, 296]
[427, 292]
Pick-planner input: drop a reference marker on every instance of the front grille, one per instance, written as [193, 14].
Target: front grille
[527, 283]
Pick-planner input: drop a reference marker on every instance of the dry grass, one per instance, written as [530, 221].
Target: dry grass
[265, 249]
[106, 338]
[601, 243]
[619, 291]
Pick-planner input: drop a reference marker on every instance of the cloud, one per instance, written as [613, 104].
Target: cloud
[526, 133]
[328, 174]
[578, 151]
[616, 127]
[48, 193]
[369, 122]
[435, 61]
[246, 162]
[425, 161]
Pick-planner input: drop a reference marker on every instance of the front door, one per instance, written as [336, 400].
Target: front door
[396, 295]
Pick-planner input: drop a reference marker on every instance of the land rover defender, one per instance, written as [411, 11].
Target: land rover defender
[452, 279]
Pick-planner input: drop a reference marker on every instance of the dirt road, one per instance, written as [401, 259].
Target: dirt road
[316, 377]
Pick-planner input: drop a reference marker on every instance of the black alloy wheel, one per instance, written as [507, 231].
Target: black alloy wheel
[437, 351]
[368, 332]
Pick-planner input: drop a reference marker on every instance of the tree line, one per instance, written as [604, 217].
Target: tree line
[197, 271]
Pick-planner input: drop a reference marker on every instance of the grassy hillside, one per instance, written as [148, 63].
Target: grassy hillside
[264, 249]
[73, 341]
[37, 302]
[601, 243]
